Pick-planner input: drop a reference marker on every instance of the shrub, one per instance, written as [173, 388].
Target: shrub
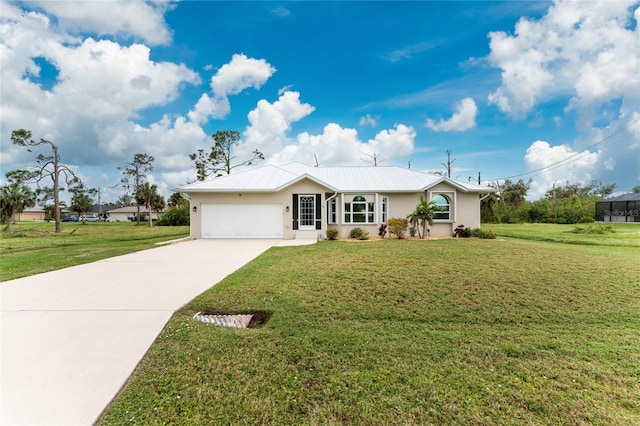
[332, 234]
[594, 229]
[174, 216]
[398, 226]
[488, 234]
[382, 231]
[358, 234]
[412, 231]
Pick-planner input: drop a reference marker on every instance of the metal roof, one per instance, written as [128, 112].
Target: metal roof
[272, 178]
[631, 196]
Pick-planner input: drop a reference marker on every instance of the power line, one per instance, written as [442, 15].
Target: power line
[577, 154]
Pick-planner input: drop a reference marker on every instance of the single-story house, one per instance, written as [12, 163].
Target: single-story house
[623, 208]
[124, 214]
[294, 199]
[31, 214]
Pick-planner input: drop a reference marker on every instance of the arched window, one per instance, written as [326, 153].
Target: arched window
[444, 205]
[359, 210]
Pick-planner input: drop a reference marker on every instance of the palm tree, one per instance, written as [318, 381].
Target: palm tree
[15, 196]
[423, 214]
[148, 196]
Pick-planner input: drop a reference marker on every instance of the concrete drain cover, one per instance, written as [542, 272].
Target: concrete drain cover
[237, 321]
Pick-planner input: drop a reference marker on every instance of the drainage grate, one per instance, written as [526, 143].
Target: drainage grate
[237, 321]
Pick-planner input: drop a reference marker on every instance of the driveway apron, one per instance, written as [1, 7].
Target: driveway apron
[71, 338]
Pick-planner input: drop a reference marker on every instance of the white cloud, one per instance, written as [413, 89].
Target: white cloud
[463, 119]
[367, 120]
[143, 19]
[232, 78]
[409, 51]
[577, 169]
[269, 123]
[339, 146]
[588, 50]
[281, 11]
[91, 107]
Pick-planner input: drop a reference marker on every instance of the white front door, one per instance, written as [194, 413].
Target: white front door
[307, 209]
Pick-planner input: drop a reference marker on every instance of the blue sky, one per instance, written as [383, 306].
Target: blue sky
[542, 90]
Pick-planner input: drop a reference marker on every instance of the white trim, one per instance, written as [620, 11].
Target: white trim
[311, 227]
[452, 198]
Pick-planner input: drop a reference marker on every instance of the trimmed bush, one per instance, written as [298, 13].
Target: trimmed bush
[398, 226]
[332, 234]
[358, 234]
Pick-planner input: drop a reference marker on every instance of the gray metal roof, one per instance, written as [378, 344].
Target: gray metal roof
[272, 178]
[631, 196]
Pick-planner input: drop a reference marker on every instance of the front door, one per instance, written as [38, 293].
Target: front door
[307, 212]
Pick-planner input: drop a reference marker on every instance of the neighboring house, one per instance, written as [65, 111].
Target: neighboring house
[31, 214]
[123, 214]
[623, 208]
[285, 201]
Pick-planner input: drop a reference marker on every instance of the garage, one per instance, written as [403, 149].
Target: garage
[242, 221]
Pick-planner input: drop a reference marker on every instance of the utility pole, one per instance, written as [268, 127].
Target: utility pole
[448, 163]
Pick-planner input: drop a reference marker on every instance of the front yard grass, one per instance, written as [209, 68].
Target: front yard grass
[624, 235]
[457, 331]
[33, 247]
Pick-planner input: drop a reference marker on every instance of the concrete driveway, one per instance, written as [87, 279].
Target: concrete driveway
[71, 338]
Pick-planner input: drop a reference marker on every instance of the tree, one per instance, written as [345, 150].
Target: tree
[15, 196]
[374, 160]
[448, 163]
[178, 212]
[134, 174]
[514, 193]
[81, 200]
[635, 189]
[424, 213]
[218, 161]
[125, 200]
[147, 194]
[47, 166]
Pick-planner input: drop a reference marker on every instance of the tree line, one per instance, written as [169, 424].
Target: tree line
[568, 203]
[51, 177]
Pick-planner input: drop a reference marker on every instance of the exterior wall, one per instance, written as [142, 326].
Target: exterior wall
[465, 208]
[283, 197]
[30, 216]
[124, 216]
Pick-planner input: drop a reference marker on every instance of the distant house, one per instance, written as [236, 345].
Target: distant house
[125, 214]
[31, 214]
[294, 199]
[623, 208]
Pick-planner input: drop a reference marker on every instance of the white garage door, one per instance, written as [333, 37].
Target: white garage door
[242, 221]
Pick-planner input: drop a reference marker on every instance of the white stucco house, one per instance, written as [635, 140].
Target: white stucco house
[128, 213]
[294, 199]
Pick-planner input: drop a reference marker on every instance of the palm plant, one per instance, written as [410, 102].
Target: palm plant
[15, 196]
[148, 196]
[423, 214]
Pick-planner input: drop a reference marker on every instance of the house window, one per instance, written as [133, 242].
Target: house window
[445, 207]
[385, 209]
[333, 211]
[359, 210]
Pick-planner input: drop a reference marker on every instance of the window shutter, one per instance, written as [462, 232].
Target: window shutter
[295, 212]
[318, 211]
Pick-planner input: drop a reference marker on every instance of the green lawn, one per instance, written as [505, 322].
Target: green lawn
[454, 331]
[33, 247]
[625, 235]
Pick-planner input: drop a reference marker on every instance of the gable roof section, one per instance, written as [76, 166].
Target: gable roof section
[272, 178]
